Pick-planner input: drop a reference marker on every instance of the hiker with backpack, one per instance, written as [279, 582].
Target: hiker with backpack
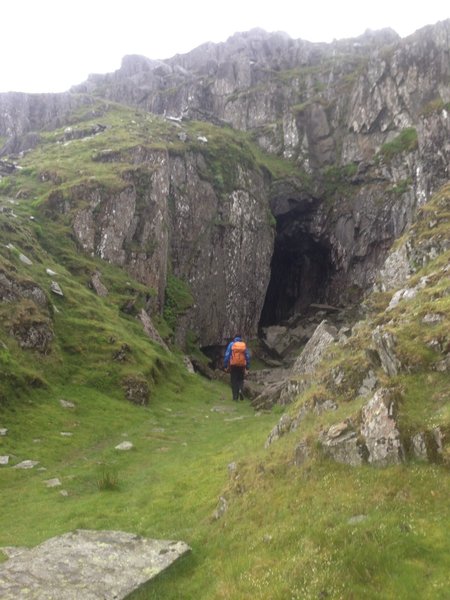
[237, 362]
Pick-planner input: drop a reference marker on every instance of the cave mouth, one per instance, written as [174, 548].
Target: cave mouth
[301, 270]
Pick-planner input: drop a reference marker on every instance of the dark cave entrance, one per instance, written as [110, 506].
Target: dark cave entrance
[301, 270]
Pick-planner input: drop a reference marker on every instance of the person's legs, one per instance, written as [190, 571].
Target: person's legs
[241, 383]
[235, 381]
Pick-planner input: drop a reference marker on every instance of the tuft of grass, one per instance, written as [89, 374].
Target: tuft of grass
[108, 480]
[405, 142]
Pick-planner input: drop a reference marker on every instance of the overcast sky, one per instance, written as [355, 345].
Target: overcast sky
[50, 45]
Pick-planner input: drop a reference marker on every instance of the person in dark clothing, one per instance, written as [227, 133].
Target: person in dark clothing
[237, 362]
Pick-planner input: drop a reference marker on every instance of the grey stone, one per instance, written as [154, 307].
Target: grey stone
[439, 437]
[337, 430]
[324, 335]
[50, 272]
[221, 509]
[26, 464]
[223, 409]
[340, 443]
[124, 446]
[3, 431]
[286, 391]
[66, 403]
[66, 433]
[419, 446]
[25, 259]
[92, 565]
[444, 365]
[11, 551]
[406, 294]
[188, 364]
[282, 427]
[396, 269]
[384, 342]
[98, 286]
[51, 483]
[232, 469]
[4, 460]
[368, 384]
[56, 289]
[432, 318]
[380, 431]
[151, 330]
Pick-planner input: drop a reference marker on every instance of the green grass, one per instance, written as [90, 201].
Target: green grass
[405, 142]
[158, 481]
[322, 530]
[288, 531]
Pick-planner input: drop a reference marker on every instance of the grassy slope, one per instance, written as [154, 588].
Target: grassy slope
[289, 532]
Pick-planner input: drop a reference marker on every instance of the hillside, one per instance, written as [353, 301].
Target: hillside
[136, 240]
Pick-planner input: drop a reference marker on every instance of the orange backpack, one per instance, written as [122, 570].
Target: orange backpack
[238, 355]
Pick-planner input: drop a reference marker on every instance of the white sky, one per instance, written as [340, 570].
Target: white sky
[50, 45]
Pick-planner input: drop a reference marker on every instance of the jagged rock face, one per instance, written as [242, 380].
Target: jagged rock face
[321, 106]
[128, 227]
[22, 114]
[331, 251]
[310, 102]
[221, 245]
[324, 107]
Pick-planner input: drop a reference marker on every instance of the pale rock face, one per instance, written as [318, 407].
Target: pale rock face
[88, 564]
[380, 430]
[323, 337]
[384, 342]
[396, 269]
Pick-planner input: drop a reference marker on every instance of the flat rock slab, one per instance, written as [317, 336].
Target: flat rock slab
[87, 565]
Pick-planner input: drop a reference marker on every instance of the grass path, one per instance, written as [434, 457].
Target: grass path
[167, 486]
[324, 530]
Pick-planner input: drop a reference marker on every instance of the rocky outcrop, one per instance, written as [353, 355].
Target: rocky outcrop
[380, 430]
[309, 359]
[22, 116]
[222, 246]
[364, 122]
[166, 213]
[30, 322]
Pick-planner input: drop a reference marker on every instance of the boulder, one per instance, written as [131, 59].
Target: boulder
[97, 285]
[342, 444]
[385, 342]
[324, 335]
[92, 565]
[380, 430]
